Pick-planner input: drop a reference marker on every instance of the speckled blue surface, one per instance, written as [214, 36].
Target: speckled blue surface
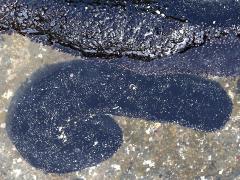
[221, 12]
[137, 29]
[60, 118]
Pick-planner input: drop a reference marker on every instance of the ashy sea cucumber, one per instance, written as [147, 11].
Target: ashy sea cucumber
[137, 29]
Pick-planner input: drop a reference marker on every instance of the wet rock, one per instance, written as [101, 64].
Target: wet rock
[59, 118]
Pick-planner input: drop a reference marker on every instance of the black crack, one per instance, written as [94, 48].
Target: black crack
[60, 119]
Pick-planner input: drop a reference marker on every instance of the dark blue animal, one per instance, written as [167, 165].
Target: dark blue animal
[60, 118]
[112, 28]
